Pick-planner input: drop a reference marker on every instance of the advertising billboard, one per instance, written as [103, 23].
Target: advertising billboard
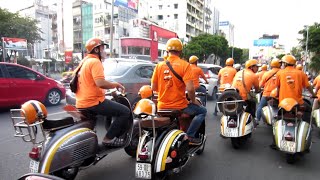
[224, 23]
[68, 56]
[14, 43]
[132, 4]
[263, 42]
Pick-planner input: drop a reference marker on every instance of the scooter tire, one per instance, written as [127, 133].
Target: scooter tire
[131, 149]
[200, 151]
[231, 110]
[66, 174]
[291, 158]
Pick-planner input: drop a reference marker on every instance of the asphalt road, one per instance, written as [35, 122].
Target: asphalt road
[219, 160]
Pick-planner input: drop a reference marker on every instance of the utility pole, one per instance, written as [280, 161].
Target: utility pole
[111, 30]
[306, 52]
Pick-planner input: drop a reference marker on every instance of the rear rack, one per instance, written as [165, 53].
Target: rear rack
[28, 132]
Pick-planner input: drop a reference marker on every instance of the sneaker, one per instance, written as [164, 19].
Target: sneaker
[115, 142]
[255, 123]
[194, 141]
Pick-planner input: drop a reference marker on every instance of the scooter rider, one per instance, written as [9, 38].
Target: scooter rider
[237, 67]
[260, 74]
[198, 73]
[91, 94]
[225, 76]
[244, 81]
[171, 89]
[290, 83]
[268, 82]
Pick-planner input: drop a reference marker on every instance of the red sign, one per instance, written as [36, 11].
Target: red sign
[68, 56]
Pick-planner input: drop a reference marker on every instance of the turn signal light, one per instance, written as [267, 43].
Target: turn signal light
[143, 156]
[35, 153]
[173, 154]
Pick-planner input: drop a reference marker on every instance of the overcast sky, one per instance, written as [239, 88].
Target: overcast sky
[251, 18]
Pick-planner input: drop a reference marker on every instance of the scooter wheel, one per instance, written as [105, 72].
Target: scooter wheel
[291, 158]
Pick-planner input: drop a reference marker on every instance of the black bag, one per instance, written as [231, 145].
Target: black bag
[74, 81]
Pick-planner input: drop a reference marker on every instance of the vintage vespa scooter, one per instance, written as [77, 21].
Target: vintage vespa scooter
[236, 124]
[163, 145]
[63, 146]
[291, 134]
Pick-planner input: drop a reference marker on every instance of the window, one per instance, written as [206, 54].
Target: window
[160, 17]
[150, 17]
[160, 7]
[146, 51]
[115, 69]
[21, 73]
[134, 50]
[176, 6]
[145, 71]
[168, 15]
[175, 16]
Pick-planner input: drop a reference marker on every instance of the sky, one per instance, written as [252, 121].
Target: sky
[251, 18]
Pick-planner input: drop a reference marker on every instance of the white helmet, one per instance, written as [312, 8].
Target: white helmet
[237, 66]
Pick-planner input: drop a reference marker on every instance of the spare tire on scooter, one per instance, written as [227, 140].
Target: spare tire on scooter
[230, 109]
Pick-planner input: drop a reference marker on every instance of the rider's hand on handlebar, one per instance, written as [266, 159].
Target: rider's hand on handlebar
[120, 87]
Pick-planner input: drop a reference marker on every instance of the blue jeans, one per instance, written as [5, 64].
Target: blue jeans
[263, 102]
[202, 98]
[199, 113]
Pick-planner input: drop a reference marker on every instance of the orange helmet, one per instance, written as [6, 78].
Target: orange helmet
[174, 44]
[229, 62]
[33, 110]
[251, 62]
[299, 67]
[275, 63]
[193, 59]
[264, 67]
[145, 91]
[92, 43]
[289, 59]
[145, 107]
[288, 103]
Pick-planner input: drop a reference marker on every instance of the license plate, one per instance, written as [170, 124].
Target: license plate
[231, 132]
[143, 170]
[288, 146]
[34, 166]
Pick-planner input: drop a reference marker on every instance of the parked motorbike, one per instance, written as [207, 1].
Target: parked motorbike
[163, 144]
[236, 124]
[291, 134]
[63, 146]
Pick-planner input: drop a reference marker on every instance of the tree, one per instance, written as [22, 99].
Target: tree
[237, 54]
[296, 52]
[245, 56]
[313, 44]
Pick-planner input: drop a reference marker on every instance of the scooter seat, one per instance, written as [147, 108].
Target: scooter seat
[158, 122]
[56, 124]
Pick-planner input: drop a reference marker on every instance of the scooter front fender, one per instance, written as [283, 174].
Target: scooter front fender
[316, 115]
[244, 125]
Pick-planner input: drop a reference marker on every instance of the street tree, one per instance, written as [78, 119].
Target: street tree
[245, 56]
[313, 32]
[237, 54]
[13, 25]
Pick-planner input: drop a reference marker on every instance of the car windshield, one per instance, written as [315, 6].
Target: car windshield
[115, 69]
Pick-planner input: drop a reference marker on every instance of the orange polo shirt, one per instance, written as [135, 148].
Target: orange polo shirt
[291, 82]
[227, 74]
[260, 75]
[317, 86]
[171, 91]
[197, 73]
[250, 79]
[88, 93]
[268, 82]
[316, 80]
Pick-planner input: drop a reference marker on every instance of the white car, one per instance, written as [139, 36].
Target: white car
[211, 72]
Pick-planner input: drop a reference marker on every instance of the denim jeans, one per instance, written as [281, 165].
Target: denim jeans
[251, 108]
[263, 102]
[202, 98]
[113, 109]
[199, 113]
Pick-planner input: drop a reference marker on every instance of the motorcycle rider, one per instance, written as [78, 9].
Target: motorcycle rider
[91, 92]
[244, 81]
[290, 83]
[171, 88]
[260, 74]
[237, 67]
[198, 73]
[225, 76]
[268, 83]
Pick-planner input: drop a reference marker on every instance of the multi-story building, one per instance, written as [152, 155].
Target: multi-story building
[227, 30]
[215, 18]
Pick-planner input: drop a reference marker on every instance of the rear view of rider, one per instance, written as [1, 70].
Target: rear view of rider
[268, 82]
[91, 94]
[260, 74]
[171, 90]
[290, 83]
[198, 73]
[225, 76]
[244, 81]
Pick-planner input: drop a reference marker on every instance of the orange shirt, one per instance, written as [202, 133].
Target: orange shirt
[171, 91]
[250, 79]
[197, 73]
[268, 82]
[88, 93]
[260, 75]
[316, 80]
[227, 74]
[317, 86]
[291, 83]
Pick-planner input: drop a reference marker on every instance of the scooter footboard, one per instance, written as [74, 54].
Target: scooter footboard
[288, 140]
[168, 144]
[69, 149]
[316, 115]
[236, 126]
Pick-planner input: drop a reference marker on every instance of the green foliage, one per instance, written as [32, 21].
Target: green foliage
[206, 44]
[296, 52]
[315, 63]
[280, 56]
[245, 56]
[15, 26]
[237, 54]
